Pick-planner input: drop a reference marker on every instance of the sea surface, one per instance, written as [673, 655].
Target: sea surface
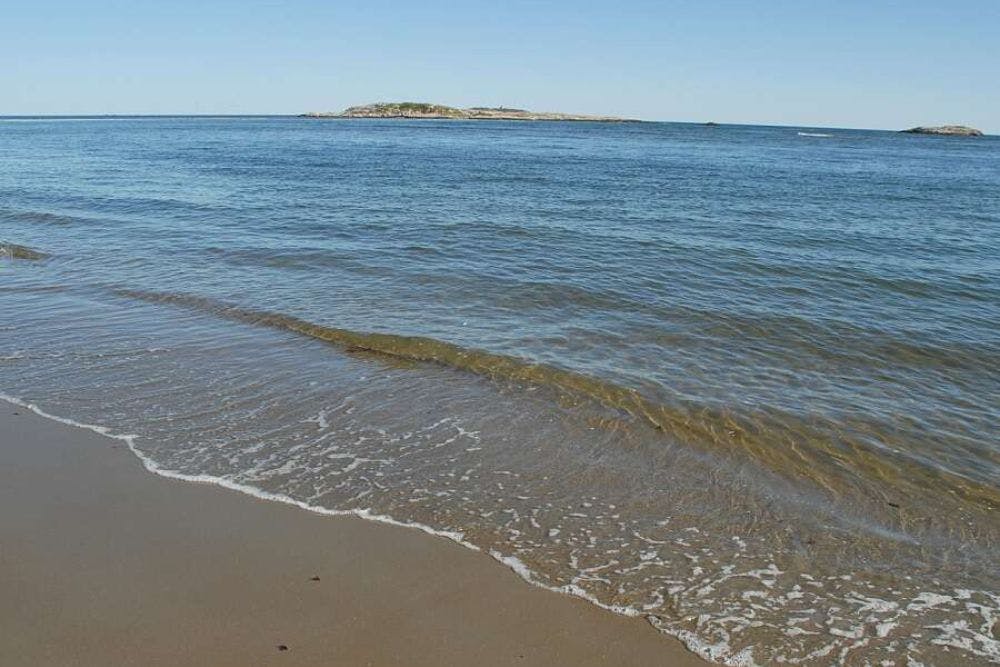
[741, 381]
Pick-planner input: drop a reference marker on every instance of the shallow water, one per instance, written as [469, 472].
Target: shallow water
[743, 381]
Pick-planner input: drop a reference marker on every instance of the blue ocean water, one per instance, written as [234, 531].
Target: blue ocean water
[736, 379]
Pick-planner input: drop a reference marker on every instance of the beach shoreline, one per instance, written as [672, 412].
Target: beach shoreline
[735, 384]
[105, 563]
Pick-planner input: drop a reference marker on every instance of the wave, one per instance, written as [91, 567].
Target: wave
[831, 458]
[813, 134]
[45, 217]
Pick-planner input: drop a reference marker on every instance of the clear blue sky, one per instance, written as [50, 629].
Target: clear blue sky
[813, 62]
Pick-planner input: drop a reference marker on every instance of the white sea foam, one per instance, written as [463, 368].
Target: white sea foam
[153, 467]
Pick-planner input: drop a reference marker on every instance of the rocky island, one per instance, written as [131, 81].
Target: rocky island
[14, 251]
[442, 112]
[946, 130]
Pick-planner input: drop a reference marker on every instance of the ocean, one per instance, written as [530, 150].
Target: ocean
[741, 381]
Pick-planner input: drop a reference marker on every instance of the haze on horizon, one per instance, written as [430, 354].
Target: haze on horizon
[831, 64]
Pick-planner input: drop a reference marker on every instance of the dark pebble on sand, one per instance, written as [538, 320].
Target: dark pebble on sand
[282, 647]
[313, 578]
[894, 505]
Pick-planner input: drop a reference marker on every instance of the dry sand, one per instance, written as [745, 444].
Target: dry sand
[103, 563]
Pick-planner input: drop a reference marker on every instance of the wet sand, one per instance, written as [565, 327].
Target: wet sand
[103, 563]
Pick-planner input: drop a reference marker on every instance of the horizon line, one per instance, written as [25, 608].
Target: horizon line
[98, 116]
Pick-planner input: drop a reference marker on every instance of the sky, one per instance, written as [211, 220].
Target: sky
[844, 63]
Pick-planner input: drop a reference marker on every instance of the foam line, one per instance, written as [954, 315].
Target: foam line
[692, 642]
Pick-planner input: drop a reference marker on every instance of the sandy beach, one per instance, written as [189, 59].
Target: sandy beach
[105, 563]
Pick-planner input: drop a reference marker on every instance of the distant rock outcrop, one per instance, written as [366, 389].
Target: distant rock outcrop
[947, 130]
[442, 112]
[14, 251]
